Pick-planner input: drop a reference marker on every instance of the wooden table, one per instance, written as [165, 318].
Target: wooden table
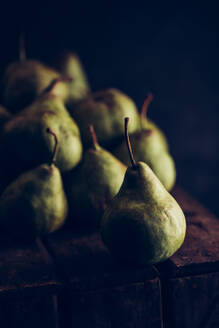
[28, 287]
[71, 280]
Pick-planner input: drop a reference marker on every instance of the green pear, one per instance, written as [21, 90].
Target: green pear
[150, 148]
[147, 124]
[70, 65]
[104, 110]
[147, 148]
[26, 79]
[93, 184]
[25, 144]
[35, 203]
[143, 224]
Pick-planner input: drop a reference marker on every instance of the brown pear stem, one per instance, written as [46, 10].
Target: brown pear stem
[146, 104]
[53, 159]
[133, 162]
[22, 50]
[54, 82]
[93, 136]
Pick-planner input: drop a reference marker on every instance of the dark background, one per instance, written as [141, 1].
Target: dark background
[169, 50]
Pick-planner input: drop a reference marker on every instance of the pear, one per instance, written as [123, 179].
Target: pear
[104, 110]
[25, 79]
[69, 64]
[25, 144]
[143, 224]
[35, 203]
[147, 124]
[150, 148]
[93, 184]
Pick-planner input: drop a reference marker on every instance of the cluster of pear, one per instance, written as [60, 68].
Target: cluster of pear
[54, 168]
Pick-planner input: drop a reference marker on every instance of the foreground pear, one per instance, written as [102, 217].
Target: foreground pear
[104, 110]
[150, 147]
[93, 184]
[26, 79]
[35, 203]
[143, 224]
[70, 65]
[25, 142]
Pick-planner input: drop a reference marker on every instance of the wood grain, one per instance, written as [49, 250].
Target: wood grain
[28, 287]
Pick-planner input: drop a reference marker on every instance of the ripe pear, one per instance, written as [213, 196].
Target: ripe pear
[35, 203]
[93, 184]
[26, 79]
[25, 144]
[149, 147]
[104, 110]
[143, 224]
[69, 64]
[147, 124]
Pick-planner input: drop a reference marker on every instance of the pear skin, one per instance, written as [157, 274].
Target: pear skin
[148, 124]
[148, 148]
[26, 143]
[34, 204]
[105, 110]
[96, 182]
[25, 80]
[143, 224]
[70, 65]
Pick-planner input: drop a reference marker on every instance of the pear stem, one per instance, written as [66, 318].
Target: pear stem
[133, 162]
[22, 50]
[54, 82]
[93, 136]
[53, 159]
[145, 105]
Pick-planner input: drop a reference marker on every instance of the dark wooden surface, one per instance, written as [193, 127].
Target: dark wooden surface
[191, 301]
[88, 265]
[28, 286]
[131, 305]
[102, 292]
[71, 280]
[112, 295]
[35, 311]
[200, 250]
[190, 278]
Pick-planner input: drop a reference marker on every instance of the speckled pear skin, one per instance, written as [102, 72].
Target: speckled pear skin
[70, 65]
[148, 148]
[98, 180]
[105, 110]
[24, 80]
[143, 224]
[26, 142]
[150, 125]
[34, 204]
